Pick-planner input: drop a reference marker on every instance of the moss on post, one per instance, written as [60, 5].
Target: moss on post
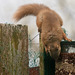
[13, 49]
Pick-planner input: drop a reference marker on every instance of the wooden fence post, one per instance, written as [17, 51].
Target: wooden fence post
[47, 64]
[13, 49]
[41, 57]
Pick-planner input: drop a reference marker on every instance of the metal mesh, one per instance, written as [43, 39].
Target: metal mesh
[34, 54]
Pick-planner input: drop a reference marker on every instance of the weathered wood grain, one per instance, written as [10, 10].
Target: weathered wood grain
[13, 49]
[41, 57]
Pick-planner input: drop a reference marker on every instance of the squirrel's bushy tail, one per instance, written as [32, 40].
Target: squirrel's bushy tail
[29, 9]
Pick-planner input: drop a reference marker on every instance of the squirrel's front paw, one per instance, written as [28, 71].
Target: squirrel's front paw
[68, 39]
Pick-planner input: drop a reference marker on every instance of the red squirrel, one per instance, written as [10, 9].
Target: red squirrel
[49, 25]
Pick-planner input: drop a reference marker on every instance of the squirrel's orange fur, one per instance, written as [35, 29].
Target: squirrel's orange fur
[49, 25]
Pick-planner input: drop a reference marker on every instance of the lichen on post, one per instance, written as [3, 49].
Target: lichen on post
[13, 49]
